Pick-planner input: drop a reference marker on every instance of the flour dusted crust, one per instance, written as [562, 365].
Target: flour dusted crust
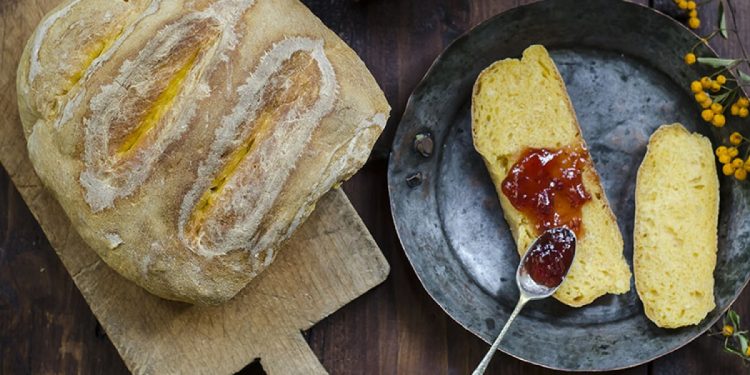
[186, 140]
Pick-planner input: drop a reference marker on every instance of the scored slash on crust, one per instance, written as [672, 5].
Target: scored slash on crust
[244, 208]
[120, 149]
[198, 39]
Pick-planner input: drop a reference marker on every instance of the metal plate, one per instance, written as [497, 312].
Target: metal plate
[622, 66]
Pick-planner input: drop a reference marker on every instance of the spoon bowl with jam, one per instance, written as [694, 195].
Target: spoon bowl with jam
[540, 272]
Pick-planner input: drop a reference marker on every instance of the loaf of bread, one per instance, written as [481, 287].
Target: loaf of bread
[676, 216]
[522, 104]
[186, 140]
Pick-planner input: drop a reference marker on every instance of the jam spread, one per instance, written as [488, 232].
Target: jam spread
[550, 257]
[546, 185]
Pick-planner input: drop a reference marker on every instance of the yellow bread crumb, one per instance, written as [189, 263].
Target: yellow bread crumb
[518, 104]
[676, 215]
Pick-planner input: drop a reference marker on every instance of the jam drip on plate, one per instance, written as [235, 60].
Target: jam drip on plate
[550, 257]
[546, 185]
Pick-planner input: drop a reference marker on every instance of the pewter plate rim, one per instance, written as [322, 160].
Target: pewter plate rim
[401, 143]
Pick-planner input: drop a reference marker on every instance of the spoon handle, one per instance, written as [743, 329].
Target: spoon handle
[487, 357]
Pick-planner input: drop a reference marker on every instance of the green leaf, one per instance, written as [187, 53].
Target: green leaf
[716, 62]
[731, 350]
[744, 76]
[720, 98]
[743, 343]
[723, 20]
[734, 318]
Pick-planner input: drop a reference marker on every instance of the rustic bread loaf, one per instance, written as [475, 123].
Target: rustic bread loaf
[676, 215]
[187, 139]
[522, 104]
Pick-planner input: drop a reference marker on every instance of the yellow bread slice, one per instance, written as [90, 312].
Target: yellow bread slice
[676, 216]
[520, 104]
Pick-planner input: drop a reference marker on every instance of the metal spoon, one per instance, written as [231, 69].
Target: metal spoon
[531, 289]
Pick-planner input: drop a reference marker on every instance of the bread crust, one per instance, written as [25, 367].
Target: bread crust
[186, 140]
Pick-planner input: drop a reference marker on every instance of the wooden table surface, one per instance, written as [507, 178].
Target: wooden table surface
[46, 326]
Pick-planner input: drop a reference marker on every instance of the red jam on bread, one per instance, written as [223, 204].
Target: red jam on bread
[546, 185]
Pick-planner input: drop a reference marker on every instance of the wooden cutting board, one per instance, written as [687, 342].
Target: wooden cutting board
[328, 262]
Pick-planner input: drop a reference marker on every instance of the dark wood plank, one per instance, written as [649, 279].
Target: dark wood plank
[45, 324]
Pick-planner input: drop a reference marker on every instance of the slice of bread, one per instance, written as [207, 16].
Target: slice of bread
[521, 104]
[676, 215]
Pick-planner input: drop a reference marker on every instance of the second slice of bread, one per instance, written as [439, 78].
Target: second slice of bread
[676, 215]
[520, 104]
